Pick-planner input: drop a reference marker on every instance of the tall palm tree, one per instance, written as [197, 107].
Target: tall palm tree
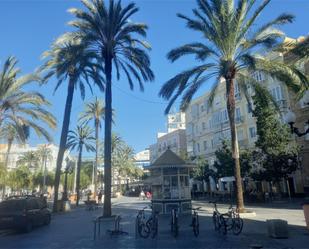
[21, 110]
[94, 111]
[229, 51]
[112, 34]
[81, 138]
[69, 59]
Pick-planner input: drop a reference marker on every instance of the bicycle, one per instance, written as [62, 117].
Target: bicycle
[174, 222]
[152, 224]
[218, 220]
[141, 226]
[227, 221]
[195, 222]
[233, 221]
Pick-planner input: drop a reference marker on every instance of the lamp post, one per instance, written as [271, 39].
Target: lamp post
[290, 119]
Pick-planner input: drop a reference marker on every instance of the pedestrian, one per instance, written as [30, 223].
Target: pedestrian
[142, 195]
[100, 197]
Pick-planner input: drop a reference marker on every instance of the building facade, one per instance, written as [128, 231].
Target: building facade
[142, 159]
[207, 126]
[175, 138]
[17, 150]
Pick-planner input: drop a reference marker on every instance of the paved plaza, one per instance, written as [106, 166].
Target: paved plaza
[75, 230]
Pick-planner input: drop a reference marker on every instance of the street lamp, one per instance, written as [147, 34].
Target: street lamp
[290, 119]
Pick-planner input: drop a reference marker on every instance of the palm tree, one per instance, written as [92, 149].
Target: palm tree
[112, 35]
[20, 110]
[229, 52]
[69, 59]
[80, 138]
[19, 107]
[44, 154]
[94, 111]
[29, 159]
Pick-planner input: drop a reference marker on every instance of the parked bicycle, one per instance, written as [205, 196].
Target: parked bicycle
[233, 221]
[218, 220]
[227, 221]
[174, 222]
[195, 222]
[141, 227]
[146, 227]
[152, 223]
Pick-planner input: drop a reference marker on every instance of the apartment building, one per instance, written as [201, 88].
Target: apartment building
[175, 138]
[301, 111]
[141, 159]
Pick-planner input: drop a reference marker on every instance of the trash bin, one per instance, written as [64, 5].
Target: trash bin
[306, 212]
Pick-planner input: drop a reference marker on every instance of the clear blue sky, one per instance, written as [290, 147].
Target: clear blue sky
[29, 26]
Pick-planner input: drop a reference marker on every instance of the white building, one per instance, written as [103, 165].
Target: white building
[208, 125]
[175, 138]
[176, 121]
[142, 158]
[17, 150]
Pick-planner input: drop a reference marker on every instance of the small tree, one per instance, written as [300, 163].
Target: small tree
[224, 161]
[276, 157]
[202, 171]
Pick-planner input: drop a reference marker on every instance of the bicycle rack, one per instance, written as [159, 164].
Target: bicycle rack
[117, 230]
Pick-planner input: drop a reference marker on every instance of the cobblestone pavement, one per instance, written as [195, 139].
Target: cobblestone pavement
[75, 230]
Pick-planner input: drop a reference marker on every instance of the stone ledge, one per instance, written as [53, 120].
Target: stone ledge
[247, 214]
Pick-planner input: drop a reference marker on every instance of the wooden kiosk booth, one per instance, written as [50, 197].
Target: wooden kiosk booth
[169, 180]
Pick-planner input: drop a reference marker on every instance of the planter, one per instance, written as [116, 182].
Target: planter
[306, 212]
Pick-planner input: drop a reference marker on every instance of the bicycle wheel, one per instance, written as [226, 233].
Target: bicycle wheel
[174, 227]
[215, 219]
[152, 224]
[222, 227]
[143, 230]
[238, 225]
[196, 226]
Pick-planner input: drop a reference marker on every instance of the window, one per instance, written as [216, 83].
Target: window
[224, 116]
[252, 132]
[202, 108]
[240, 135]
[204, 126]
[237, 91]
[249, 107]
[258, 76]
[198, 147]
[205, 145]
[277, 93]
[238, 114]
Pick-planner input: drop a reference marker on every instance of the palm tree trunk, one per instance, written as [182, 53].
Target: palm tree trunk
[63, 139]
[6, 162]
[96, 155]
[230, 104]
[79, 164]
[107, 211]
